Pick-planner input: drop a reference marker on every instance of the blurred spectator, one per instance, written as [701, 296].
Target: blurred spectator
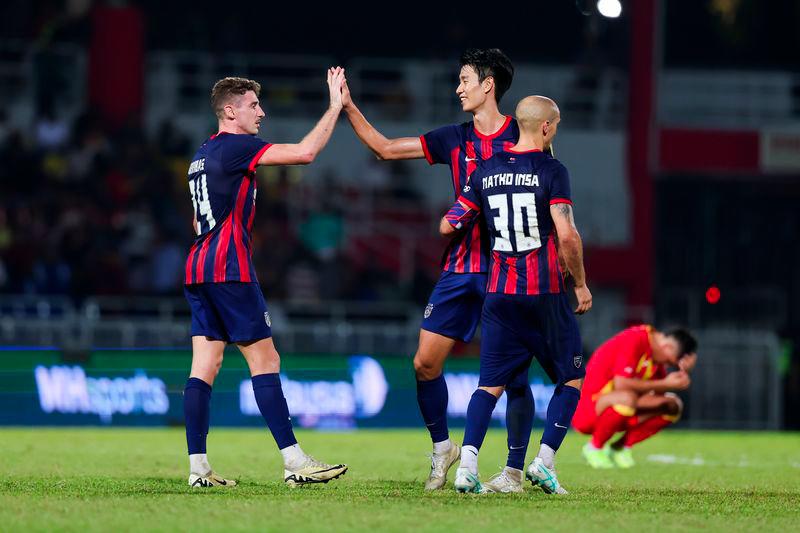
[52, 133]
[90, 211]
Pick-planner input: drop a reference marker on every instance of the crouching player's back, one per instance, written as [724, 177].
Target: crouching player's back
[524, 195]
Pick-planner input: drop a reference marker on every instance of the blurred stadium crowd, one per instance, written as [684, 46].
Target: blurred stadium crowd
[90, 211]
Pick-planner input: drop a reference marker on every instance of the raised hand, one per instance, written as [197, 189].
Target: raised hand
[347, 100]
[335, 81]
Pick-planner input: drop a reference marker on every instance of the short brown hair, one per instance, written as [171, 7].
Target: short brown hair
[226, 88]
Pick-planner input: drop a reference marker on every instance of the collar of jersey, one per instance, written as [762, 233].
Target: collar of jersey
[510, 151]
[495, 134]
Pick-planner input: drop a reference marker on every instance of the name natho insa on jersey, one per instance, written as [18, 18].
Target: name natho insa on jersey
[509, 179]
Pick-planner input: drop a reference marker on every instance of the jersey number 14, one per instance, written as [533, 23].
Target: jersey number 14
[525, 236]
[198, 188]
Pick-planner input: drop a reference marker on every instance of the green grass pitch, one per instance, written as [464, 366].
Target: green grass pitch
[135, 479]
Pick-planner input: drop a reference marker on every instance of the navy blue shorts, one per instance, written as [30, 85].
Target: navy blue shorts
[230, 311]
[454, 308]
[517, 327]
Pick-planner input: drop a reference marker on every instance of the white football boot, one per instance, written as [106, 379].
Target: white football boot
[544, 478]
[440, 464]
[466, 481]
[507, 481]
[209, 480]
[312, 471]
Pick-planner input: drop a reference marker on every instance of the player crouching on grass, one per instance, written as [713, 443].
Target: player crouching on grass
[627, 389]
[224, 295]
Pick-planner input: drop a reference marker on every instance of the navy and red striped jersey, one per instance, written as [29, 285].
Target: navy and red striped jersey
[462, 147]
[222, 186]
[514, 191]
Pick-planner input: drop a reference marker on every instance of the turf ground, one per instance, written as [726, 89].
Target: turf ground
[135, 479]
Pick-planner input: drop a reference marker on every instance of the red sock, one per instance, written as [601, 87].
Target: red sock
[646, 429]
[613, 419]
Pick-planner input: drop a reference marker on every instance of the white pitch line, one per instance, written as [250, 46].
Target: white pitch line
[669, 459]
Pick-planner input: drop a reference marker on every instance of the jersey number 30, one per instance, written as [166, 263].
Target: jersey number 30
[198, 188]
[525, 223]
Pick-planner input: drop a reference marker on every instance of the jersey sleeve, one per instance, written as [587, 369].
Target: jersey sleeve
[466, 207]
[242, 153]
[560, 192]
[438, 144]
[629, 352]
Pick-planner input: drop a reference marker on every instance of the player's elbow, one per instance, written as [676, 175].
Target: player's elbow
[385, 151]
[569, 239]
[305, 158]
[445, 228]
[623, 384]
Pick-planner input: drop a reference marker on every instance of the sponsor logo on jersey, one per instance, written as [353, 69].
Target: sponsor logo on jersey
[428, 310]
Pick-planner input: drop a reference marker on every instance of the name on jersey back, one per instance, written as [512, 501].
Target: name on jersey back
[197, 165]
[509, 178]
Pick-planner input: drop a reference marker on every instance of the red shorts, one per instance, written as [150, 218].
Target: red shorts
[585, 416]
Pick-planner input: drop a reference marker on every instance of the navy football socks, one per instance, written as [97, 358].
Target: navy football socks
[272, 404]
[196, 409]
[559, 415]
[519, 423]
[479, 414]
[432, 400]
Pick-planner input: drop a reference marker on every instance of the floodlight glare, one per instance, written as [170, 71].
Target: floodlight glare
[609, 8]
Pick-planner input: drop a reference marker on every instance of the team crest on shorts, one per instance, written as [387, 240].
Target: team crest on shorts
[267, 319]
[577, 361]
[428, 310]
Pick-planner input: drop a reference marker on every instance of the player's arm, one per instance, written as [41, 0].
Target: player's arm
[571, 251]
[676, 381]
[383, 148]
[306, 151]
[460, 214]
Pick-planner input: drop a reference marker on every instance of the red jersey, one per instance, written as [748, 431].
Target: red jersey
[628, 354]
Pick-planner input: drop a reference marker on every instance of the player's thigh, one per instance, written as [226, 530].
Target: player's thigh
[206, 320]
[431, 354]
[206, 358]
[261, 356]
[556, 340]
[504, 355]
[242, 310]
[454, 306]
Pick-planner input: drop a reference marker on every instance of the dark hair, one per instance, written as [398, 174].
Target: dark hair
[226, 88]
[687, 341]
[490, 62]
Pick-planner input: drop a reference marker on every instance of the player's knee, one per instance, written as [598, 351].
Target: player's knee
[627, 398]
[673, 405]
[426, 368]
[494, 391]
[574, 383]
[208, 370]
